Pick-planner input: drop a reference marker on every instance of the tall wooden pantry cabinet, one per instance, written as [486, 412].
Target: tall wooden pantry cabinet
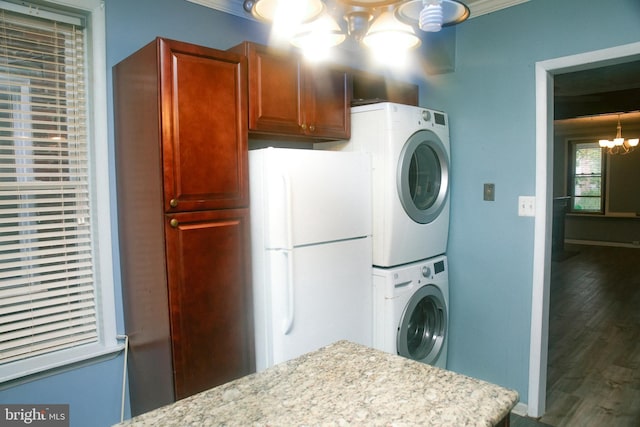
[183, 215]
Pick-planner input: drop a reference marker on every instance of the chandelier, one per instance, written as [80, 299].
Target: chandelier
[377, 24]
[619, 145]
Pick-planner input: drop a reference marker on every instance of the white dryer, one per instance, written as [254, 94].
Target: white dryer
[411, 310]
[410, 153]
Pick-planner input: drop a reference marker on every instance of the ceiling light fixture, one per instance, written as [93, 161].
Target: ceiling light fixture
[317, 37]
[619, 145]
[360, 17]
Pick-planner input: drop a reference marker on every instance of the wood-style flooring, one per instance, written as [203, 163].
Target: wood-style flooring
[594, 338]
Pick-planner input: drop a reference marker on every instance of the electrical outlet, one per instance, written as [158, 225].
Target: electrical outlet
[489, 193]
[526, 206]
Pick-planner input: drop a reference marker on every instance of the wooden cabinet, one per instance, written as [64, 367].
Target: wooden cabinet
[292, 99]
[183, 217]
[206, 268]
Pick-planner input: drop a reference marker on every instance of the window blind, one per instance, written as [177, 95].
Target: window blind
[47, 296]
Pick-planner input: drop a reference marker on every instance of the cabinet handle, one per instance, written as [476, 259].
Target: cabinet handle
[303, 126]
[312, 128]
[174, 223]
[173, 203]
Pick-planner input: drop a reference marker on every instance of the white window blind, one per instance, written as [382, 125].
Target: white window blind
[47, 295]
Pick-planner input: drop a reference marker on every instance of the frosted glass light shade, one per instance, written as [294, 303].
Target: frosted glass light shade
[387, 33]
[294, 10]
[321, 33]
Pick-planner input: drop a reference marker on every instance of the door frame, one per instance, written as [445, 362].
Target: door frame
[539, 337]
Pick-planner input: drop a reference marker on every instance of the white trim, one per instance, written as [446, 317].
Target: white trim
[542, 234]
[102, 202]
[520, 409]
[482, 7]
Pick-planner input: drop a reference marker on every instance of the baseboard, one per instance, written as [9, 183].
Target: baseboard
[520, 409]
[600, 243]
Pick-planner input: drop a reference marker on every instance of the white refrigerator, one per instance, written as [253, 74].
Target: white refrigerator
[311, 250]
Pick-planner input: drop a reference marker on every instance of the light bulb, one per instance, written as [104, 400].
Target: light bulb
[431, 16]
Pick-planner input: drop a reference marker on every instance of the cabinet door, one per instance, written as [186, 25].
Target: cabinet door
[274, 91]
[327, 102]
[204, 127]
[208, 266]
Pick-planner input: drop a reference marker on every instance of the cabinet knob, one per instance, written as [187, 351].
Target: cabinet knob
[173, 203]
[303, 126]
[174, 223]
[312, 128]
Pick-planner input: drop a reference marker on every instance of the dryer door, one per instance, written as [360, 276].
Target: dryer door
[423, 325]
[423, 176]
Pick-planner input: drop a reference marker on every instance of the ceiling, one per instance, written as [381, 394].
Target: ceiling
[602, 90]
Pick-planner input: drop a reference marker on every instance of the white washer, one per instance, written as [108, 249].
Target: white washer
[410, 312]
[409, 147]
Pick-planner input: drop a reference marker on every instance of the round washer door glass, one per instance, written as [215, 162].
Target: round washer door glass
[423, 325]
[423, 176]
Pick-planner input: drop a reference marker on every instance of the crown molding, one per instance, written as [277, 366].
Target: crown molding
[482, 7]
[234, 7]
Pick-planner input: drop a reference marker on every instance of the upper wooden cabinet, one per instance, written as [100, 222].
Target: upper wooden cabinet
[290, 98]
[202, 111]
[199, 107]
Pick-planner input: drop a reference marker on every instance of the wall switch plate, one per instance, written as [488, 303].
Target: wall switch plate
[489, 193]
[526, 206]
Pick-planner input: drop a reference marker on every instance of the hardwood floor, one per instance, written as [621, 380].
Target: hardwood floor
[594, 339]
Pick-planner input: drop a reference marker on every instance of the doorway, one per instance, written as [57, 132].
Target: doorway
[544, 72]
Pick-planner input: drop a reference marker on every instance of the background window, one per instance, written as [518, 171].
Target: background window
[587, 177]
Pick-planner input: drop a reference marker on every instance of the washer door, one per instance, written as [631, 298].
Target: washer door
[423, 176]
[423, 325]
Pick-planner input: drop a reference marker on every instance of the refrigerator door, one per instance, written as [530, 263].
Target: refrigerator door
[319, 294]
[312, 196]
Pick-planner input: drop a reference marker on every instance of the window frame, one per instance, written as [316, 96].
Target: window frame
[107, 343]
[571, 176]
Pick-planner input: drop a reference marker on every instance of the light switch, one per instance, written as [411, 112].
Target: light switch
[489, 192]
[526, 206]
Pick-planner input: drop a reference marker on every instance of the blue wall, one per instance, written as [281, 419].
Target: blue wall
[491, 102]
[490, 99]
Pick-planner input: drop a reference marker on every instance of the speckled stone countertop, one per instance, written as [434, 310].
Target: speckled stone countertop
[342, 384]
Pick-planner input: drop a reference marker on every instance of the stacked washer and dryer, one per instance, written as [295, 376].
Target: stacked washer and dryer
[410, 153]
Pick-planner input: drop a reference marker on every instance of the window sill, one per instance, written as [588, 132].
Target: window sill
[38, 367]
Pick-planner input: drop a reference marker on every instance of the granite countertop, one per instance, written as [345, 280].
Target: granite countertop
[342, 384]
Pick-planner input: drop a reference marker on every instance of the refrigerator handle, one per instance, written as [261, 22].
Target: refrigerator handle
[288, 214]
[288, 211]
[288, 325]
